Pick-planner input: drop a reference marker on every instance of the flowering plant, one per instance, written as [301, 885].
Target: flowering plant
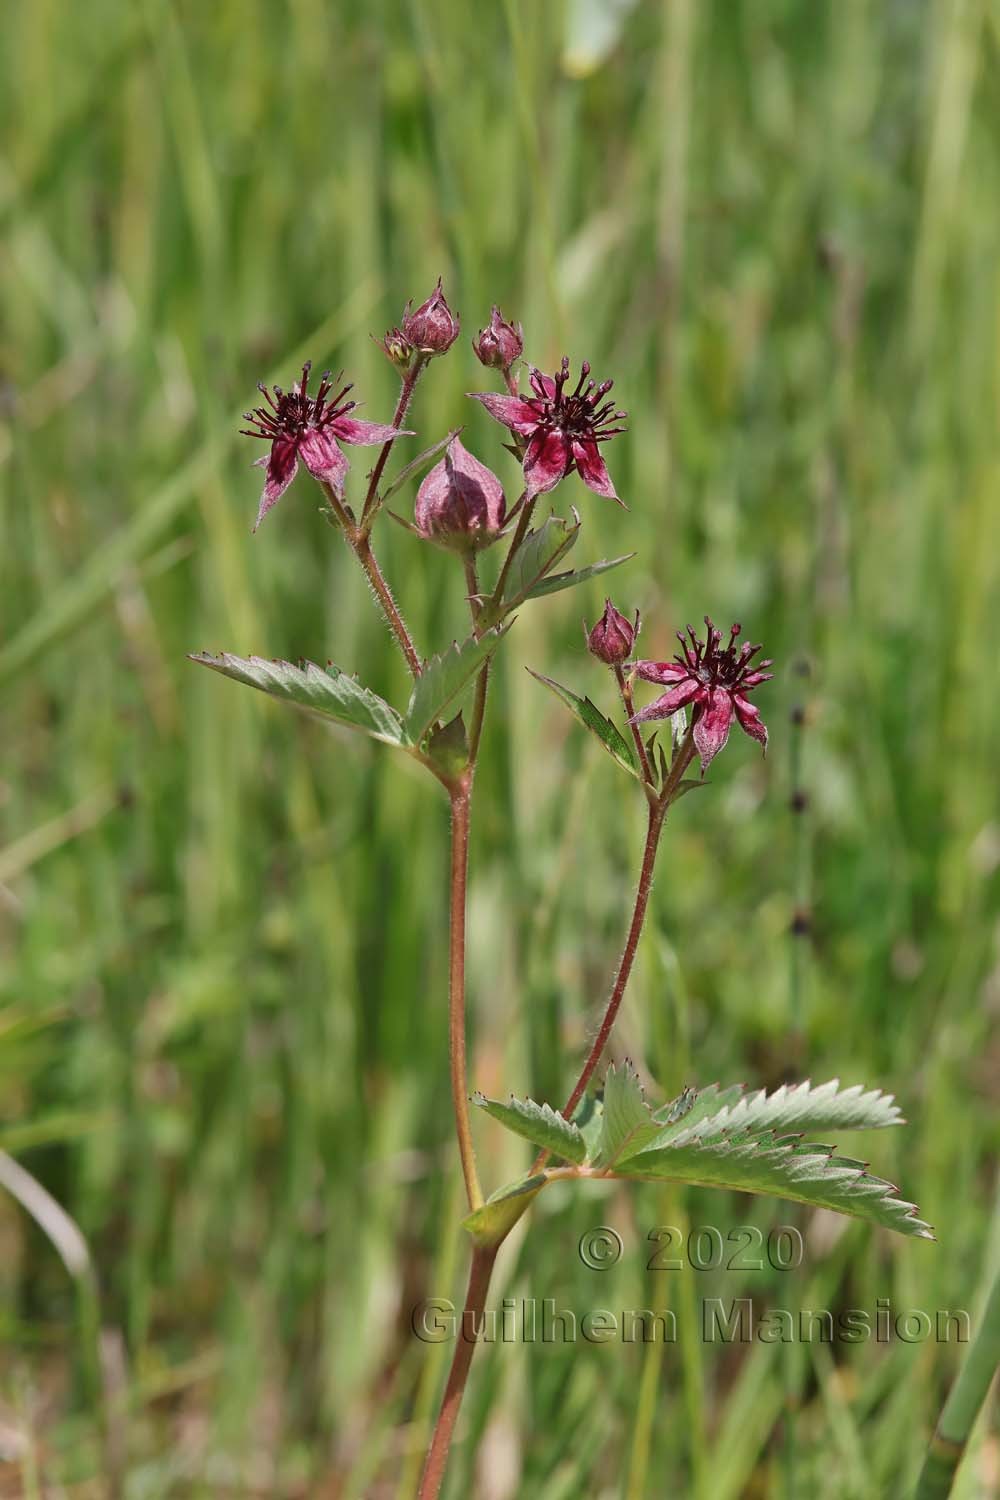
[751, 1142]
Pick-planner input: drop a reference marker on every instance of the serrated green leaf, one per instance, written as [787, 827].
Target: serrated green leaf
[443, 678]
[588, 1118]
[491, 1223]
[763, 1163]
[793, 1107]
[627, 1122]
[591, 718]
[327, 691]
[538, 1123]
[558, 581]
[537, 556]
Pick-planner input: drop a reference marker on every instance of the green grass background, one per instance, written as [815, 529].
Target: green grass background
[223, 974]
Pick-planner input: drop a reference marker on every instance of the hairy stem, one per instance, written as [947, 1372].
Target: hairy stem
[625, 688]
[521, 531]
[951, 1437]
[409, 384]
[658, 809]
[461, 798]
[657, 813]
[475, 1301]
[357, 539]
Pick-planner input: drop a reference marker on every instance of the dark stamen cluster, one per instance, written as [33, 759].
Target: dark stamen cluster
[578, 413]
[719, 668]
[289, 413]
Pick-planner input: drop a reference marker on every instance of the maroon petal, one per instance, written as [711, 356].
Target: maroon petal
[661, 671]
[282, 465]
[323, 458]
[750, 720]
[670, 702]
[754, 679]
[363, 434]
[711, 730]
[543, 384]
[593, 469]
[514, 412]
[546, 460]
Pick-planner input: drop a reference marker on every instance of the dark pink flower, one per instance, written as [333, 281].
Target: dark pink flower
[499, 343]
[433, 328]
[716, 682]
[563, 430]
[461, 502]
[613, 637]
[298, 425]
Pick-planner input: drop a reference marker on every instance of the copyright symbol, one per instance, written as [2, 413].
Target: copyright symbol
[600, 1248]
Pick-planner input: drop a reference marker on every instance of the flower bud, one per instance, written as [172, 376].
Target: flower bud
[433, 328]
[461, 502]
[499, 343]
[396, 347]
[613, 637]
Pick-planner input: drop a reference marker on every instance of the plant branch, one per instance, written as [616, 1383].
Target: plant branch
[625, 688]
[409, 384]
[357, 539]
[468, 1332]
[461, 796]
[658, 808]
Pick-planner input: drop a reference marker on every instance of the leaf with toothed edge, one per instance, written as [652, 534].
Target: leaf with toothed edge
[558, 581]
[591, 718]
[443, 678]
[784, 1167]
[538, 1123]
[537, 556]
[626, 1119]
[327, 691]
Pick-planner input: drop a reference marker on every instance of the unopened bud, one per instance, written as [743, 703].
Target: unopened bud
[500, 343]
[396, 347]
[613, 637]
[461, 502]
[433, 328]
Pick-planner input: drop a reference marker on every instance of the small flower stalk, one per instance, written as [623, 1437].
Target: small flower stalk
[715, 680]
[460, 505]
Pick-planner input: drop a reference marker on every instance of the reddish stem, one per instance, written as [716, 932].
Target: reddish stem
[472, 1318]
[411, 376]
[461, 795]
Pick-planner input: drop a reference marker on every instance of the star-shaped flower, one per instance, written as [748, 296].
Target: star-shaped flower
[298, 425]
[563, 429]
[716, 681]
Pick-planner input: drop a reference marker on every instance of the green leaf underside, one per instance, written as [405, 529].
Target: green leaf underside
[327, 691]
[763, 1163]
[538, 1123]
[591, 718]
[627, 1123]
[537, 556]
[443, 678]
[558, 581]
[488, 1225]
